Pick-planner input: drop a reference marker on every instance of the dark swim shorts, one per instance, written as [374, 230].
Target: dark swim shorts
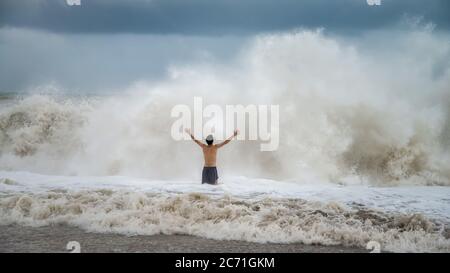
[209, 175]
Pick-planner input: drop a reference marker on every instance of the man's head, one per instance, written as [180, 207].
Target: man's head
[209, 140]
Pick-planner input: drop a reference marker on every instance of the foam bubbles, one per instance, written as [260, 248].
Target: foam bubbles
[226, 218]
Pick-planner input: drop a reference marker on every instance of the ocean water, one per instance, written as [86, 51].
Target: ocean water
[363, 149]
[402, 219]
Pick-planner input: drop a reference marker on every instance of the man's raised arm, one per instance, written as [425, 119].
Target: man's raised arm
[236, 132]
[193, 138]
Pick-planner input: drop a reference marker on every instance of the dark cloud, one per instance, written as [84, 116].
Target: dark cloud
[84, 62]
[108, 44]
[200, 17]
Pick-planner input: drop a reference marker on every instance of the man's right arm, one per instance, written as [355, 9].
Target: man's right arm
[193, 138]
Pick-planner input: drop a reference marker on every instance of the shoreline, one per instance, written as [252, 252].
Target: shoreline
[53, 239]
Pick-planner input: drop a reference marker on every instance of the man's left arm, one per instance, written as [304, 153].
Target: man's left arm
[236, 132]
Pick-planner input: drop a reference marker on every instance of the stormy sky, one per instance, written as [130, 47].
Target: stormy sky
[213, 17]
[112, 43]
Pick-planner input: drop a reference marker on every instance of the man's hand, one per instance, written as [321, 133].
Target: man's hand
[193, 138]
[236, 132]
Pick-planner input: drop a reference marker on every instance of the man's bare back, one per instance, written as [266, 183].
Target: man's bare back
[209, 174]
[210, 155]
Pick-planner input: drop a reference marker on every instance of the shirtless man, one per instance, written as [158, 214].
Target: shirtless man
[209, 174]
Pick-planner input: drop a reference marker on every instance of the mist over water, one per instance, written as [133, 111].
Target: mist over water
[372, 110]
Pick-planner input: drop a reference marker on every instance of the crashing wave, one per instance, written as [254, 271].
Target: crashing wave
[226, 218]
[342, 114]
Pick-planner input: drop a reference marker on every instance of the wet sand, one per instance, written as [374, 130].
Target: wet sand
[15, 238]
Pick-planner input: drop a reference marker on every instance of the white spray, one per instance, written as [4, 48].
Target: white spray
[347, 111]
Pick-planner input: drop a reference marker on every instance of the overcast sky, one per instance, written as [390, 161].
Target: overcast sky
[113, 43]
[214, 16]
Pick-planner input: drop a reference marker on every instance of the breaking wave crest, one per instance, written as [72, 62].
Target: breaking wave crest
[226, 218]
[39, 123]
[379, 118]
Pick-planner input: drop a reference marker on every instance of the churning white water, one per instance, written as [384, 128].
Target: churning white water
[382, 118]
[257, 210]
[353, 117]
